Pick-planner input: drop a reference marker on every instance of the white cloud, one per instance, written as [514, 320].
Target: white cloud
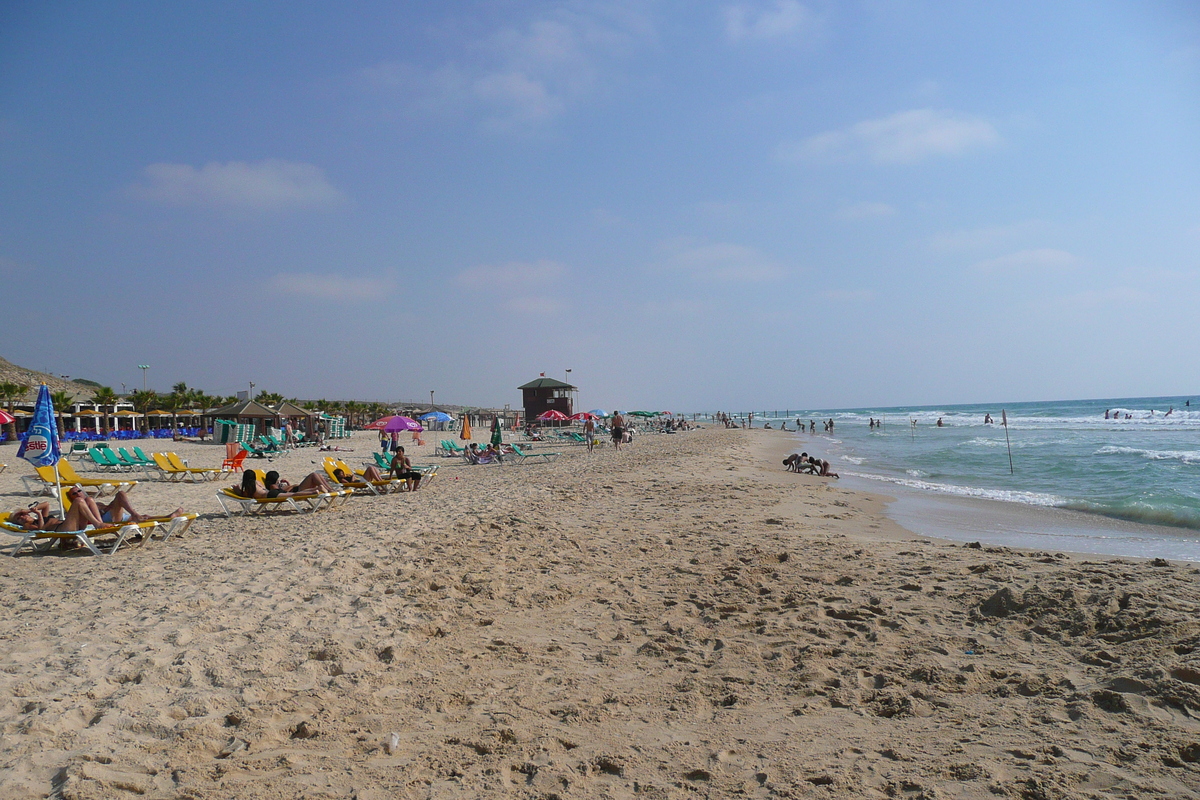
[1029, 260]
[265, 185]
[520, 78]
[865, 210]
[332, 286]
[783, 18]
[904, 137]
[515, 276]
[720, 261]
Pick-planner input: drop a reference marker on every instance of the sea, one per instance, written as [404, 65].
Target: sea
[1126, 485]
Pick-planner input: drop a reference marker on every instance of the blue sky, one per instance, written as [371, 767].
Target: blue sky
[690, 205]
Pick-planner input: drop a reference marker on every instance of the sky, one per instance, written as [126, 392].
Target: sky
[691, 206]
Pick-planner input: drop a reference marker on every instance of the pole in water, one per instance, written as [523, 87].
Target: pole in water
[912, 427]
[1004, 422]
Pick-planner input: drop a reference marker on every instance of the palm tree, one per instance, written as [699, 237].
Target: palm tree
[269, 399]
[143, 402]
[10, 393]
[61, 399]
[105, 397]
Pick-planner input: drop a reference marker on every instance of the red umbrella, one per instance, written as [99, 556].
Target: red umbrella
[6, 418]
[379, 424]
[552, 414]
[583, 415]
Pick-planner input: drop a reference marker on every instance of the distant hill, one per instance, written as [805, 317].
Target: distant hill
[33, 378]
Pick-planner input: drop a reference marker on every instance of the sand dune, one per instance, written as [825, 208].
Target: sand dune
[679, 619]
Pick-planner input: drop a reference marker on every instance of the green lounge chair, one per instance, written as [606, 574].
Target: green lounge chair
[522, 456]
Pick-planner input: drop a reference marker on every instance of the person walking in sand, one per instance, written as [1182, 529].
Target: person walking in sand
[589, 433]
[618, 430]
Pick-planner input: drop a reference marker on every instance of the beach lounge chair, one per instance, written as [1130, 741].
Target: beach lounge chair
[522, 456]
[86, 537]
[208, 473]
[387, 485]
[450, 448]
[232, 502]
[43, 481]
[99, 461]
[173, 472]
[138, 461]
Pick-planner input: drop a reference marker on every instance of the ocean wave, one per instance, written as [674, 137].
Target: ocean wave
[1140, 512]
[916, 473]
[853, 460]
[1186, 456]
[1007, 495]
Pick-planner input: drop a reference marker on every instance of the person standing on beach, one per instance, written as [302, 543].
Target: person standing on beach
[385, 441]
[618, 430]
[589, 432]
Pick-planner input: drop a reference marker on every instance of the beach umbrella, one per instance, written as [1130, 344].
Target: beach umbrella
[583, 415]
[399, 423]
[6, 418]
[465, 433]
[552, 415]
[643, 413]
[435, 416]
[378, 424]
[40, 447]
[497, 436]
[599, 412]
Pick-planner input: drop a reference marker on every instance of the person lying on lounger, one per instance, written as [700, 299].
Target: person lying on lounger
[313, 483]
[84, 511]
[371, 474]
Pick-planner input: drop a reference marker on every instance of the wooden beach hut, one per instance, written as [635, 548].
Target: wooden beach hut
[546, 394]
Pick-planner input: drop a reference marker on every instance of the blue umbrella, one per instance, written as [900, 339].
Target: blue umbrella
[40, 447]
[436, 416]
[599, 412]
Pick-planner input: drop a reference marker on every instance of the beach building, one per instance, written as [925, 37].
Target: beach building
[546, 394]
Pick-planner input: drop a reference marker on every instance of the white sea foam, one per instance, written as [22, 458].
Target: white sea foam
[1186, 456]
[853, 460]
[1011, 496]
[916, 473]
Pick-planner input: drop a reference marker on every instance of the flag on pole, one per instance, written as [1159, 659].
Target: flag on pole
[40, 447]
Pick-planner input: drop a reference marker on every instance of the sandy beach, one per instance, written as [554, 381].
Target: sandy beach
[679, 619]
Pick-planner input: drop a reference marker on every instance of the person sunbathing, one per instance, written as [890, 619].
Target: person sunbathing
[313, 483]
[250, 487]
[84, 511]
[370, 474]
[402, 469]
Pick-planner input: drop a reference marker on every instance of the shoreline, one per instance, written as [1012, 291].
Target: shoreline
[679, 619]
[961, 519]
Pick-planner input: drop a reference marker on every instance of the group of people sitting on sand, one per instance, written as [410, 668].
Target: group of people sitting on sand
[803, 462]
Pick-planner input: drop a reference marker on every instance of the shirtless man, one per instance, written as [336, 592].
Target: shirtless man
[618, 430]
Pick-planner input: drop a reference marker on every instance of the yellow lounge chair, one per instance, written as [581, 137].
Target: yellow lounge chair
[232, 502]
[209, 473]
[44, 482]
[378, 487]
[86, 537]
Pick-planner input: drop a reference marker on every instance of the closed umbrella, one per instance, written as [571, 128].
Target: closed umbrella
[497, 436]
[465, 434]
